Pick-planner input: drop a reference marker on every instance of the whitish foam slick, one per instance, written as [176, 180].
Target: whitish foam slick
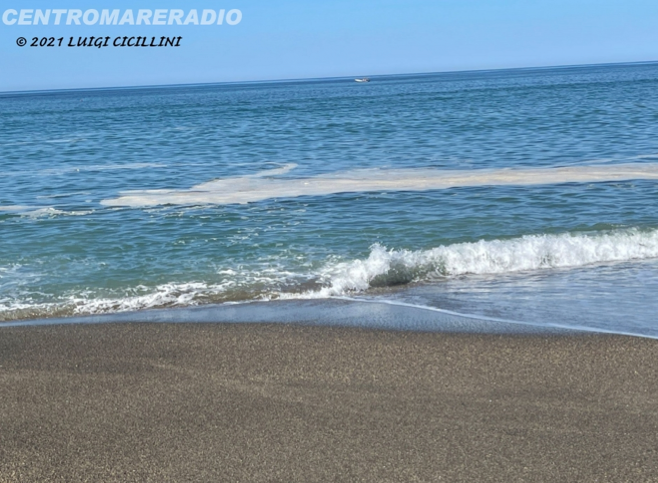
[264, 185]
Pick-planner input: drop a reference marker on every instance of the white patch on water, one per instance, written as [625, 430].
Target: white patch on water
[285, 169]
[262, 186]
[52, 212]
[41, 212]
[4, 271]
[15, 208]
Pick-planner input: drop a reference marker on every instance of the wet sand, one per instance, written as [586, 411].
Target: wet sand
[266, 403]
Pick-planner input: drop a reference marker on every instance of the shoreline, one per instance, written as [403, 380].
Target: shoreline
[281, 402]
[377, 314]
[331, 312]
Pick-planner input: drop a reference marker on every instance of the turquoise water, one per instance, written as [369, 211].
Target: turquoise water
[525, 195]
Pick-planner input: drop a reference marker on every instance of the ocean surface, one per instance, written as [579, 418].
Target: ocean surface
[526, 195]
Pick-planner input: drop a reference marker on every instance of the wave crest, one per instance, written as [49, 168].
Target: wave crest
[532, 252]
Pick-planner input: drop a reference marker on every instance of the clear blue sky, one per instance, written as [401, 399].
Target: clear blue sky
[279, 39]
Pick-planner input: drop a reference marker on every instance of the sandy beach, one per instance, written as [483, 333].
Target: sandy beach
[252, 403]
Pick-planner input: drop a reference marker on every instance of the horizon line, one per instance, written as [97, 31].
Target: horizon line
[312, 79]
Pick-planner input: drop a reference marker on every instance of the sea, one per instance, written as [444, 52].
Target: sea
[526, 197]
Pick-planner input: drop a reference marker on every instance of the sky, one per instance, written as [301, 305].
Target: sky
[294, 39]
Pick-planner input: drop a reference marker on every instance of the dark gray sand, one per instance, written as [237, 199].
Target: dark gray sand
[256, 403]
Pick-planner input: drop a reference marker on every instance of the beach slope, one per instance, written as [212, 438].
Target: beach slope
[266, 403]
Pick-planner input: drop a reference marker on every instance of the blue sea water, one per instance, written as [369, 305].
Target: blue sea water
[528, 195]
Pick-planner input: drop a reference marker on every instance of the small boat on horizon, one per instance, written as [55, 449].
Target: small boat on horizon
[362, 79]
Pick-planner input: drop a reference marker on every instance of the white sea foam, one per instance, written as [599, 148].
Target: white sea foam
[42, 212]
[533, 252]
[262, 186]
[89, 302]
[15, 208]
[50, 212]
[165, 295]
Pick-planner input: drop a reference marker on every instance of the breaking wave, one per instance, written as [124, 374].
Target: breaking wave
[382, 268]
[532, 252]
